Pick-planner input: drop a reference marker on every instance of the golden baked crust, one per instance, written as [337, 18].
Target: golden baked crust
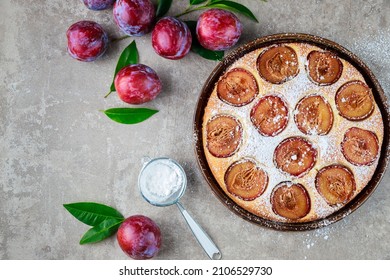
[261, 148]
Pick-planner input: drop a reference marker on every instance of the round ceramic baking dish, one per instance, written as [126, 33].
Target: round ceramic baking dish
[343, 53]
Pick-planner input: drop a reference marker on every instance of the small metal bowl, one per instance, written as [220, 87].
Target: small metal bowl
[343, 53]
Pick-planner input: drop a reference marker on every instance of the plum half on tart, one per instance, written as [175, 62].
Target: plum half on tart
[313, 115]
[290, 201]
[270, 115]
[238, 87]
[335, 183]
[299, 169]
[295, 156]
[278, 64]
[354, 101]
[223, 135]
[360, 146]
[323, 67]
[246, 180]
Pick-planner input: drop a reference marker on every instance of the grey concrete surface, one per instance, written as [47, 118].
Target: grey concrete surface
[56, 147]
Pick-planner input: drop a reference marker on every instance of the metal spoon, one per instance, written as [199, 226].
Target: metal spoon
[146, 176]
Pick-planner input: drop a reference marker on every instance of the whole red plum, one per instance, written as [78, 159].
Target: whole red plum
[98, 5]
[134, 17]
[171, 38]
[139, 237]
[218, 30]
[87, 40]
[137, 84]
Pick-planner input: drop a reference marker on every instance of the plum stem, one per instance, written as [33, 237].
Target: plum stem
[187, 11]
[108, 94]
[191, 9]
[119, 39]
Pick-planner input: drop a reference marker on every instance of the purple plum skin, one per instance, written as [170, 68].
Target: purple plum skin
[87, 41]
[134, 17]
[218, 30]
[98, 5]
[171, 38]
[139, 237]
[137, 84]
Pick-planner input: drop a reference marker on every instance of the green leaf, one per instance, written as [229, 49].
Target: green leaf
[233, 7]
[129, 115]
[163, 7]
[196, 2]
[197, 48]
[101, 231]
[208, 54]
[91, 213]
[127, 57]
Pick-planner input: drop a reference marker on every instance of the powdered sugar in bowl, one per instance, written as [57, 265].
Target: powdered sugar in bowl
[162, 182]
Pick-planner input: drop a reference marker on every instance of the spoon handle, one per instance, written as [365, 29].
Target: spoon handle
[204, 240]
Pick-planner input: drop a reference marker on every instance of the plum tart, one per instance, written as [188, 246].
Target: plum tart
[291, 132]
